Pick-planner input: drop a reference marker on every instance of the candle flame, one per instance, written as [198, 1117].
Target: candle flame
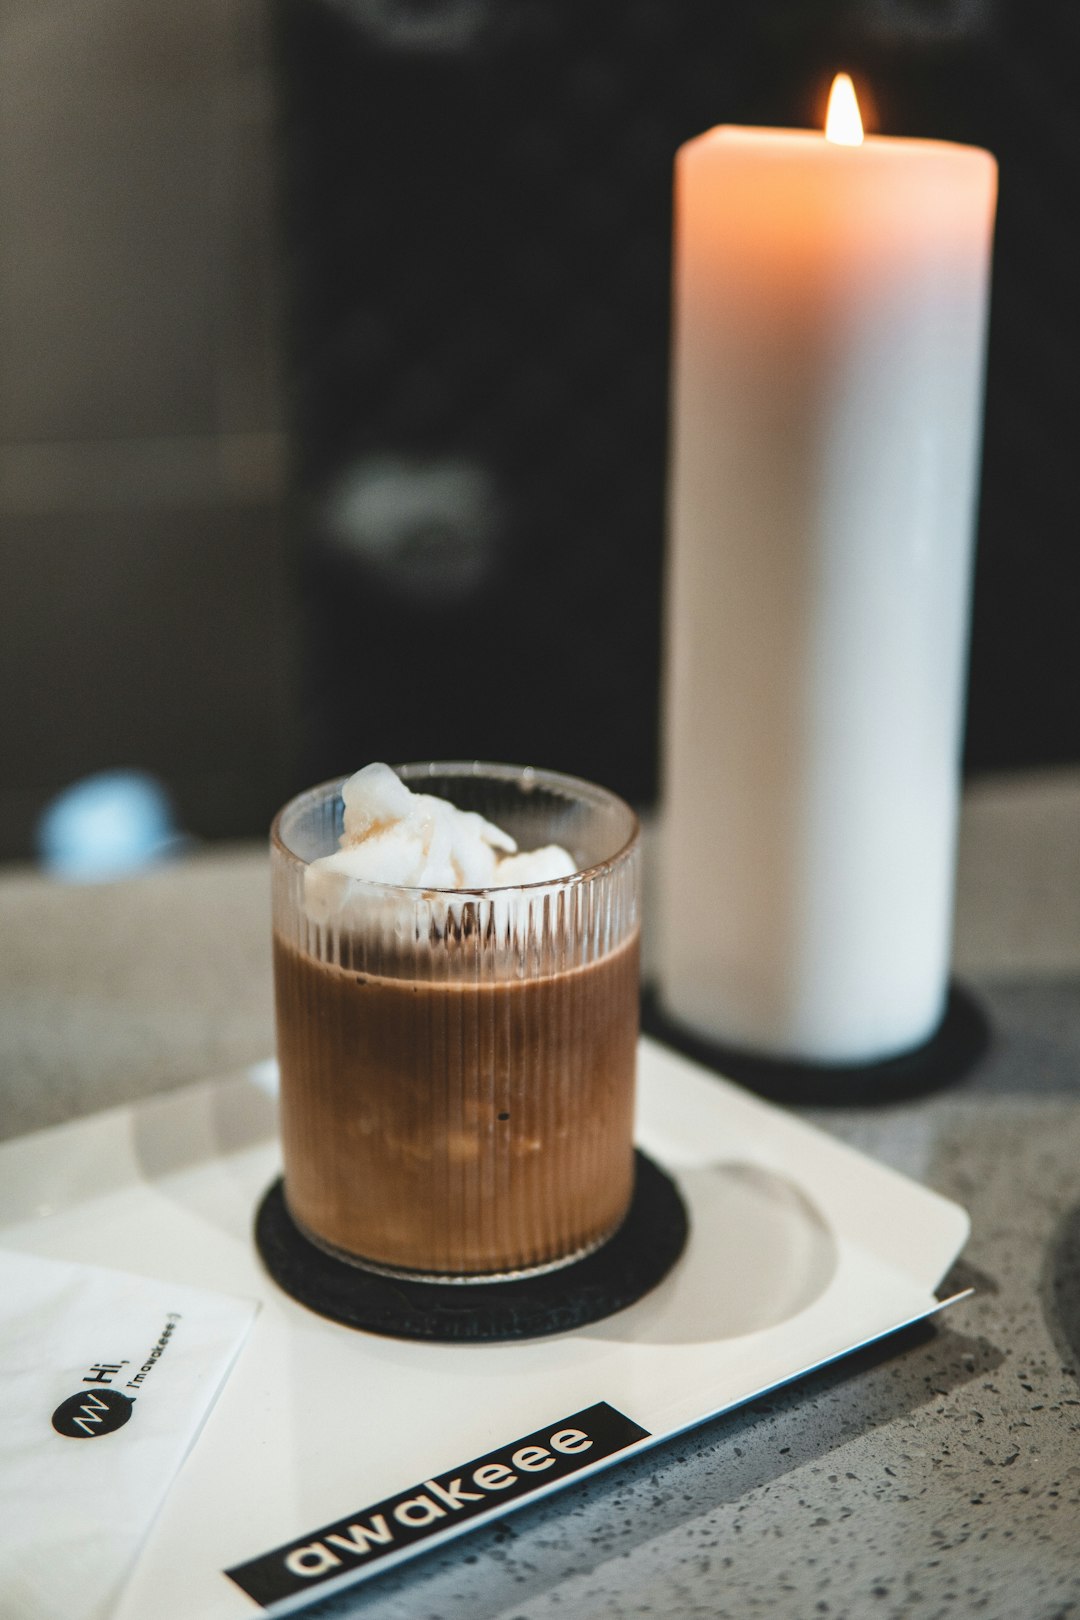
[843, 125]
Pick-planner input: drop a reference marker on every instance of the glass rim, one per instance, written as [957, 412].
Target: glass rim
[418, 769]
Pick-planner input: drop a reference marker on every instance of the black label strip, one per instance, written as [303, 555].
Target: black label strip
[430, 1508]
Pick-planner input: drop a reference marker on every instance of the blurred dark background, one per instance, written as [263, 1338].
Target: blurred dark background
[333, 394]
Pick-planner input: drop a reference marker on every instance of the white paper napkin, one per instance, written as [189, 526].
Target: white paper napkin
[107, 1379]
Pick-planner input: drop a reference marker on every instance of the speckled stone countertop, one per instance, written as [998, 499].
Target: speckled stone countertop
[938, 1475]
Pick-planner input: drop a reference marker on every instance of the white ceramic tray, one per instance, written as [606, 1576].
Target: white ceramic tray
[801, 1250]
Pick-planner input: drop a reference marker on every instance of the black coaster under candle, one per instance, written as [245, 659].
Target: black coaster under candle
[954, 1048]
[625, 1268]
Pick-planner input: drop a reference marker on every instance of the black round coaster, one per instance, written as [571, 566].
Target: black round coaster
[640, 1254]
[954, 1048]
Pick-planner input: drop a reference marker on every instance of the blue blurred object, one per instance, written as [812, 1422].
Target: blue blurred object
[108, 825]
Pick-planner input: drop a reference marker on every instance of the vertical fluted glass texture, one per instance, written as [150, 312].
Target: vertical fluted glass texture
[457, 1067]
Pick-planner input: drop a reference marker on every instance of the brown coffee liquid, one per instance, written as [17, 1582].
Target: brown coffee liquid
[452, 1127]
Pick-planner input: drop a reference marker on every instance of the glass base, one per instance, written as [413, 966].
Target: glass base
[614, 1276]
[464, 1279]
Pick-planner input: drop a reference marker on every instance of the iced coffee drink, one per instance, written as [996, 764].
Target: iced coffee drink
[456, 972]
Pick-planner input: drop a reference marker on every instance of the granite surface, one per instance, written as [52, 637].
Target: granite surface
[109, 991]
[938, 1475]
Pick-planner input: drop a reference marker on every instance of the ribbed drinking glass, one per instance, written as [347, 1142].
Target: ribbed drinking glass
[457, 1066]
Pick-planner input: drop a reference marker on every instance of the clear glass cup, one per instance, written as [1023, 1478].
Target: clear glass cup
[457, 1066]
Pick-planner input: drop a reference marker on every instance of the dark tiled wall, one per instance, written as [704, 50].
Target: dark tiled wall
[475, 227]
[478, 209]
[145, 603]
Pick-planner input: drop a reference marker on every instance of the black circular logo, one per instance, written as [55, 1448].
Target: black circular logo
[91, 1412]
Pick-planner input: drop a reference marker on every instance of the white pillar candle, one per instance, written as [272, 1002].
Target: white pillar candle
[830, 306]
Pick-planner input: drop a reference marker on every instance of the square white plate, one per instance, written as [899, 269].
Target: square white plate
[801, 1250]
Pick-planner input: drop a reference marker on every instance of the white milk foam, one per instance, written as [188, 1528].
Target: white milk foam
[417, 841]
